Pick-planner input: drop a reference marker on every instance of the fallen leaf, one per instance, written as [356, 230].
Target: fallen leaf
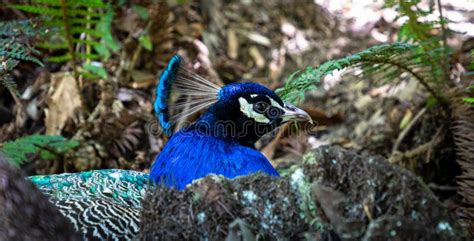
[63, 101]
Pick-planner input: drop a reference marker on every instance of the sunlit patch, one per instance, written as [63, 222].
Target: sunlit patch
[247, 109]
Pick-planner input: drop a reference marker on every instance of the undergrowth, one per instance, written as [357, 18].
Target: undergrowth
[15, 46]
[47, 147]
[421, 52]
[388, 61]
[80, 33]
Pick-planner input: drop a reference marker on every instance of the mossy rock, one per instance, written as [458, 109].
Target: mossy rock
[333, 194]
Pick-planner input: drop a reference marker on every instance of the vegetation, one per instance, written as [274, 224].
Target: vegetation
[389, 61]
[112, 51]
[15, 46]
[420, 54]
[47, 147]
[80, 32]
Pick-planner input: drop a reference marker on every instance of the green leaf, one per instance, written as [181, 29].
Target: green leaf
[60, 58]
[38, 10]
[141, 11]
[107, 40]
[469, 100]
[145, 42]
[97, 70]
[88, 56]
[46, 146]
[103, 51]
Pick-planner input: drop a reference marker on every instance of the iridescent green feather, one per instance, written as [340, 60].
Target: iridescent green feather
[101, 204]
[121, 186]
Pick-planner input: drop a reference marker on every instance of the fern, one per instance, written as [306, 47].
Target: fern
[463, 133]
[21, 28]
[413, 29]
[48, 147]
[15, 38]
[81, 31]
[385, 60]
[431, 34]
[12, 49]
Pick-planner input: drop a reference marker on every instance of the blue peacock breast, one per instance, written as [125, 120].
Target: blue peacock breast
[191, 155]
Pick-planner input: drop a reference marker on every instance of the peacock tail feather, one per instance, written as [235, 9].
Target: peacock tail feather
[118, 186]
[101, 204]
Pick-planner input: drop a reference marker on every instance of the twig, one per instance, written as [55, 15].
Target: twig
[398, 157]
[434, 186]
[407, 130]
[432, 144]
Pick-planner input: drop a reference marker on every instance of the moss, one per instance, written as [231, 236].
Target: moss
[309, 158]
[342, 195]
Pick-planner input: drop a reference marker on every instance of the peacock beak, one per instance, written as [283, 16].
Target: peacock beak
[293, 113]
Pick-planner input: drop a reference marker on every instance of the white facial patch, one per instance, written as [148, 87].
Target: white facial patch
[248, 111]
[274, 103]
[253, 95]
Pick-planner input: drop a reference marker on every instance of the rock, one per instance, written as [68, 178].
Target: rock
[26, 214]
[334, 194]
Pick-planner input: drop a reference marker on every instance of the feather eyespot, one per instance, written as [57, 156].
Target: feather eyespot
[260, 107]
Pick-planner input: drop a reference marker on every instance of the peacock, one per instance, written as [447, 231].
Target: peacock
[106, 204]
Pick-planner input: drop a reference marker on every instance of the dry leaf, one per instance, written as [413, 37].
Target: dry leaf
[62, 102]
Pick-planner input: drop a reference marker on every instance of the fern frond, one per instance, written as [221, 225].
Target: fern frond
[8, 83]
[25, 28]
[60, 58]
[38, 10]
[463, 132]
[75, 3]
[82, 25]
[48, 147]
[12, 49]
[79, 23]
[74, 21]
[389, 61]
[414, 29]
[52, 46]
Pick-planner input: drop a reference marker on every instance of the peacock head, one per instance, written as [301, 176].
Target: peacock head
[247, 111]
[242, 112]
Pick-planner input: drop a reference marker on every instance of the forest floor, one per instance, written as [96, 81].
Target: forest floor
[261, 42]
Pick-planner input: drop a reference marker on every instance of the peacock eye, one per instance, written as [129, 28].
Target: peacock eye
[274, 112]
[260, 107]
